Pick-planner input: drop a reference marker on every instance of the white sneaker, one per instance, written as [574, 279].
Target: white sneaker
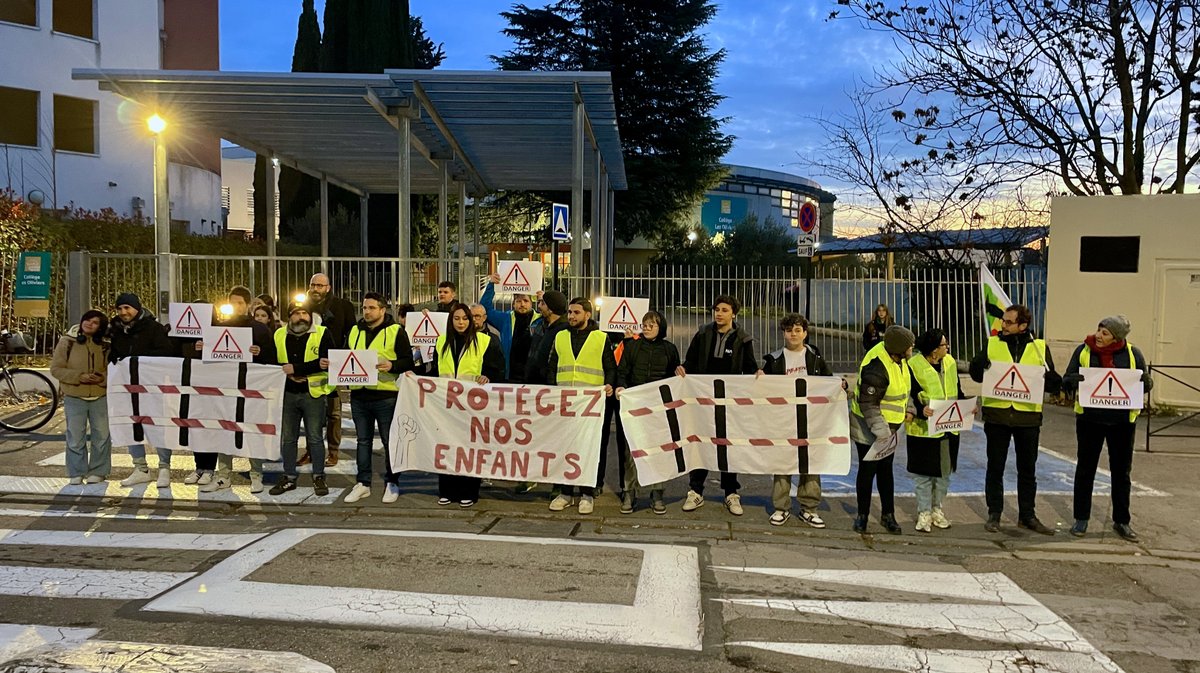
[560, 502]
[733, 503]
[939, 518]
[256, 485]
[693, 501]
[812, 518]
[215, 485]
[391, 493]
[586, 504]
[358, 493]
[137, 477]
[75, 481]
[193, 477]
[206, 477]
[780, 517]
[923, 521]
[164, 477]
[94, 479]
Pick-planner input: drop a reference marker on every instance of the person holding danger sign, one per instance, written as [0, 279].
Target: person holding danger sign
[465, 353]
[1094, 426]
[1020, 421]
[303, 351]
[932, 455]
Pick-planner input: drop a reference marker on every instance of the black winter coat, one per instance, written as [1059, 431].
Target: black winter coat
[144, 337]
[643, 361]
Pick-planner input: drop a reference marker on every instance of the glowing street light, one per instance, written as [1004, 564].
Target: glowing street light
[691, 236]
[226, 310]
[300, 298]
[156, 124]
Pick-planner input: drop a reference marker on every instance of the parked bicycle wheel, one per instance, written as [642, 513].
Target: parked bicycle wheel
[27, 399]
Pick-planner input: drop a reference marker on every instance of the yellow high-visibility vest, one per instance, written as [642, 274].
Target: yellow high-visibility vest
[943, 386]
[588, 368]
[318, 384]
[998, 351]
[1085, 360]
[470, 361]
[894, 405]
[384, 345]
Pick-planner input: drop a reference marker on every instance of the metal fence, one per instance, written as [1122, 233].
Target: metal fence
[43, 331]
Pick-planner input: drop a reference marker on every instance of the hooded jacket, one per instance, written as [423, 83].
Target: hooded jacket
[739, 350]
[776, 362]
[645, 360]
[144, 337]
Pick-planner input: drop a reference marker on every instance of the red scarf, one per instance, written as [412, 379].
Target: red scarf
[1106, 352]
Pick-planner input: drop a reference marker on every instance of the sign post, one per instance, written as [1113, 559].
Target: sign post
[560, 216]
[806, 242]
[31, 298]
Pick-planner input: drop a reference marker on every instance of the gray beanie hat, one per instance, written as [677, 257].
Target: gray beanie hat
[1117, 325]
[897, 340]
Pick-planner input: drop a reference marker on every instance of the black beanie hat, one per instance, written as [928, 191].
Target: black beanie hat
[556, 302]
[129, 299]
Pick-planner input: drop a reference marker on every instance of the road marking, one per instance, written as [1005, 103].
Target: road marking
[345, 466]
[100, 514]
[666, 611]
[1003, 612]
[911, 660]
[176, 493]
[85, 583]
[16, 639]
[70, 538]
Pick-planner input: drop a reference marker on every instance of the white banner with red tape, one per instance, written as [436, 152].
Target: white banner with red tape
[186, 404]
[543, 434]
[764, 425]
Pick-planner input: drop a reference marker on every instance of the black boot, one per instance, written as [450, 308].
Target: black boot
[860, 524]
[890, 524]
[1125, 532]
[1080, 528]
[993, 523]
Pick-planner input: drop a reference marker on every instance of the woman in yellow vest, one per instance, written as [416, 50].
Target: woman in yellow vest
[465, 353]
[1107, 348]
[932, 456]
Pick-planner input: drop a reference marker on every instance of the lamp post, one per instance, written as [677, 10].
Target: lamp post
[162, 215]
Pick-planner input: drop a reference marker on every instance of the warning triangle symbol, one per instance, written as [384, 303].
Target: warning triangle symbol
[560, 220]
[1012, 381]
[516, 277]
[226, 344]
[951, 415]
[1110, 388]
[352, 367]
[426, 328]
[188, 320]
[623, 315]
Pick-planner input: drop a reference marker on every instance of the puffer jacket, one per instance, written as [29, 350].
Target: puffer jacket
[72, 360]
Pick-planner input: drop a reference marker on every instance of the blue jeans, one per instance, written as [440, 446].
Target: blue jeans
[367, 416]
[931, 491]
[302, 407]
[138, 453]
[87, 423]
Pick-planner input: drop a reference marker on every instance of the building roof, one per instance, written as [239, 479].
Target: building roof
[980, 239]
[777, 180]
[496, 130]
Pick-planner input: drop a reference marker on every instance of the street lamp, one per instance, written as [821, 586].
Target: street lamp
[162, 213]
[691, 237]
[156, 124]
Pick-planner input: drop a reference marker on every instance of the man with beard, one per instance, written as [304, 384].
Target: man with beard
[135, 333]
[303, 350]
[337, 316]
[513, 326]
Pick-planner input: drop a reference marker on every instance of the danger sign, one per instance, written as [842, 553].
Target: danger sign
[424, 330]
[617, 314]
[353, 367]
[1104, 388]
[227, 344]
[520, 277]
[952, 415]
[1014, 382]
[188, 320]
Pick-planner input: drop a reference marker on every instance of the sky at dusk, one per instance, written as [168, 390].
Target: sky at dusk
[785, 63]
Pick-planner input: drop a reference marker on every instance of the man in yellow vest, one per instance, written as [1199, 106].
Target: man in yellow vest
[303, 350]
[374, 406]
[581, 357]
[879, 405]
[1020, 422]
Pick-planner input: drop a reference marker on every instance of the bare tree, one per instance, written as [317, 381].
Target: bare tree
[1104, 95]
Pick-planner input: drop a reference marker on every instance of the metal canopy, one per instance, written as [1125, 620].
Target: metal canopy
[495, 130]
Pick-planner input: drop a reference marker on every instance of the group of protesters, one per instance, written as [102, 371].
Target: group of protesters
[557, 342]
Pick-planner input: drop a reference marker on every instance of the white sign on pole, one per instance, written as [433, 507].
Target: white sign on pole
[617, 314]
[1104, 388]
[952, 415]
[424, 330]
[560, 218]
[188, 320]
[806, 244]
[1015, 382]
[520, 277]
[227, 344]
[353, 367]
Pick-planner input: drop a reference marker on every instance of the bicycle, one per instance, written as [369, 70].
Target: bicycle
[28, 398]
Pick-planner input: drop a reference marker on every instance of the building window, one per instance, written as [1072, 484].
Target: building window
[23, 12]
[225, 197]
[1109, 254]
[75, 17]
[250, 203]
[74, 124]
[18, 117]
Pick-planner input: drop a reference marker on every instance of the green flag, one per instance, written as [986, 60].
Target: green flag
[995, 301]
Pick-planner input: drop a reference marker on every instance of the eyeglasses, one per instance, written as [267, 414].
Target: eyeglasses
[318, 284]
[944, 344]
[648, 325]
[1010, 322]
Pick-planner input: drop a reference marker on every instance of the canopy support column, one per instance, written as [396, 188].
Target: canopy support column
[577, 288]
[443, 253]
[324, 223]
[272, 232]
[462, 234]
[403, 210]
[605, 230]
[597, 239]
[364, 203]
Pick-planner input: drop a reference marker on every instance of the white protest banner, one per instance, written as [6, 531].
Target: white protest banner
[1015, 382]
[227, 344]
[353, 368]
[543, 434]
[188, 320]
[520, 277]
[952, 415]
[1104, 388]
[617, 314]
[883, 447]
[765, 425]
[176, 403]
[424, 330]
